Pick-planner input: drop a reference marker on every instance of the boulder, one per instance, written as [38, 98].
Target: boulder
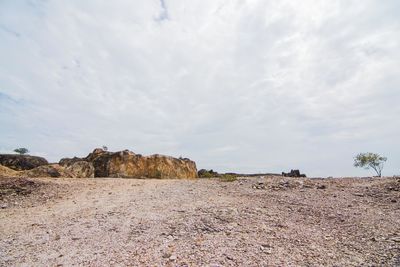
[53, 170]
[80, 169]
[126, 164]
[21, 162]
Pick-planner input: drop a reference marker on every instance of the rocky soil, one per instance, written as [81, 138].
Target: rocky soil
[263, 221]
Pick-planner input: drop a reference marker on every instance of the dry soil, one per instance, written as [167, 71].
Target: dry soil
[263, 221]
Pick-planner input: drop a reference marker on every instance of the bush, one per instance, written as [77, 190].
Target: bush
[203, 173]
[228, 178]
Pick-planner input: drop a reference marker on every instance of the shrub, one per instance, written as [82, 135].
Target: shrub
[370, 160]
[228, 178]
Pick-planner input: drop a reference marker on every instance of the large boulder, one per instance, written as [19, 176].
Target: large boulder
[126, 164]
[21, 162]
[53, 170]
[80, 169]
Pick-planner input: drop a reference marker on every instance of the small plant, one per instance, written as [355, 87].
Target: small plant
[228, 178]
[158, 174]
[370, 160]
[203, 173]
[105, 148]
[21, 150]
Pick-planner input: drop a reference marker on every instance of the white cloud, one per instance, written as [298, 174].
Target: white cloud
[235, 85]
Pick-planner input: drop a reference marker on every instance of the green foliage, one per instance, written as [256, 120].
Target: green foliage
[228, 178]
[158, 174]
[203, 173]
[370, 160]
[21, 150]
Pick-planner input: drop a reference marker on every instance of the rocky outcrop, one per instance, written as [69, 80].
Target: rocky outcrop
[81, 169]
[293, 173]
[126, 164]
[101, 163]
[21, 162]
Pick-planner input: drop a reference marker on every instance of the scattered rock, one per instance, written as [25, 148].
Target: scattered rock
[259, 185]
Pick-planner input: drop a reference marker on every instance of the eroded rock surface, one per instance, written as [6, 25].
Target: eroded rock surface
[80, 169]
[126, 164]
[21, 162]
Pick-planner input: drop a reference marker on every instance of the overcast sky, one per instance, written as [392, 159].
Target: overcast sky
[240, 85]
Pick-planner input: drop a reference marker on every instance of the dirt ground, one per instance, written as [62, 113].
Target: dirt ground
[262, 221]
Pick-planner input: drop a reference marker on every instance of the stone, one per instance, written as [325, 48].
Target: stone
[80, 169]
[21, 162]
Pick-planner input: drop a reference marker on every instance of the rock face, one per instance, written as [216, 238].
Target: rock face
[126, 164]
[80, 169]
[21, 162]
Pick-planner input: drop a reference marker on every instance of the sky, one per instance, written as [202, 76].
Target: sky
[235, 85]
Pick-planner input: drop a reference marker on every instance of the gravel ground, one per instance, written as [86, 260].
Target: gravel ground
[264, 221]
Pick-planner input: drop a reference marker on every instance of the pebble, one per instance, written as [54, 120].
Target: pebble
[172, 258]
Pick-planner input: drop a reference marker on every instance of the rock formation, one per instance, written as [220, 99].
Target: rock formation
[101, 163]
[81, 169]
[126, 164]
[21, 162]
[293, 173]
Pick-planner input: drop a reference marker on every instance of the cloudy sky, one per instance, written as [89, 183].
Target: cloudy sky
[236, 85]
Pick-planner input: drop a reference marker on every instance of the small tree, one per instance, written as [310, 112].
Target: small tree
[370, 160]
[105, 148]
[21, 150]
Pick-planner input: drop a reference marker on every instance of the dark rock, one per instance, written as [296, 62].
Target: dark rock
[293, 173]
[21, 162]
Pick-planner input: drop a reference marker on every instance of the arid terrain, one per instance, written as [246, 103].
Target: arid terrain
[259, 221]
